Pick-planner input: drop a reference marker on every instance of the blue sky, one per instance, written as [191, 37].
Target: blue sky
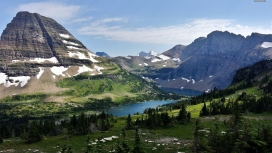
[126, 27]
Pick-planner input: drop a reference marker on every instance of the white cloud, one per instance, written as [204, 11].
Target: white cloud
[58, 11]
[82, 20]
[177, 34]
[108, 20]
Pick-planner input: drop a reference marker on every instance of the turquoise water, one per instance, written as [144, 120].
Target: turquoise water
[124, 110]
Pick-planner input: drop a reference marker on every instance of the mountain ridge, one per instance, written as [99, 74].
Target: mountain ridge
[38, 55]
[209, 61]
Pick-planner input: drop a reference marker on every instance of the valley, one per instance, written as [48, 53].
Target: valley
[212, 95]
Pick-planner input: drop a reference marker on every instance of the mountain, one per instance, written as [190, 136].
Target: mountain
[38, 55]
[174, 52]
[143, 54]
[102, 54]
[149, 54]
[212, 61]
[207, 62]
[146, 63]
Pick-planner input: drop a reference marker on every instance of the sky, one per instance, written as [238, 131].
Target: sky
[127, 27]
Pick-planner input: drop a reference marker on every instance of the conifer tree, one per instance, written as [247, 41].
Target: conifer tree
[199, 144]
[129, 122]
[137, 143]
[182, 116]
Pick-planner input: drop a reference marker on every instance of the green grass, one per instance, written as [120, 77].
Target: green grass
[181, 131]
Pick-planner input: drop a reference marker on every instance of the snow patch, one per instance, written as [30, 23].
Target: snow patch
[54, 76]
[155, 60]
[210, 76]
[176, 59]
[201, 80]
[164, 65]
[145, 64]
[64, 35]
[128, 57]
[41, 60]
[181, 87]
[207, 91]
[82, 56]
[3, 78]
[70, 43]
[14, 61]
[73, 47]
[147, 57]
[78, 54]
[140, 64]
[91, 57]
[58, 70]
[98, 68]
[82, 69]
[193, 81]
[153, 53]
[18, 80]
[266, 44]
[163, 57]
[185, 79]
[40, 73]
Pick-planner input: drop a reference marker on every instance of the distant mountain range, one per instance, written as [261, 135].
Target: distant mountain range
[205, 63]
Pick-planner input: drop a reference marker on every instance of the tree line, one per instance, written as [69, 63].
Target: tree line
[80, 124]
[239, 136]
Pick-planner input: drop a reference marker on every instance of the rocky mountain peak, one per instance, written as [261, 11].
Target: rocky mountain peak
[33, 46]
[102, 54]
[31, 37]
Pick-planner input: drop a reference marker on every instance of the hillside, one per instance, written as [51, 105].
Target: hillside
[42, 62]
[147, 64]
[251, 87]
[207, 62]
[235, 118]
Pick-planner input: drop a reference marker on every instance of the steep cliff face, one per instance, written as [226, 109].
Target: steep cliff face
[212, 61]
[32, 38]
[36, 51]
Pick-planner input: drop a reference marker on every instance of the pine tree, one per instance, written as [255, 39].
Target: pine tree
[236, 118]
[199, 144]
[129, 122]
[189, 116]
[182, 116]
[137, 143]
[204, 110]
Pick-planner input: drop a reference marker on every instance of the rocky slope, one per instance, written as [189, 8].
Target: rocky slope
[145, 64]
[37, 53]
[212, 61]
[207, 62]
